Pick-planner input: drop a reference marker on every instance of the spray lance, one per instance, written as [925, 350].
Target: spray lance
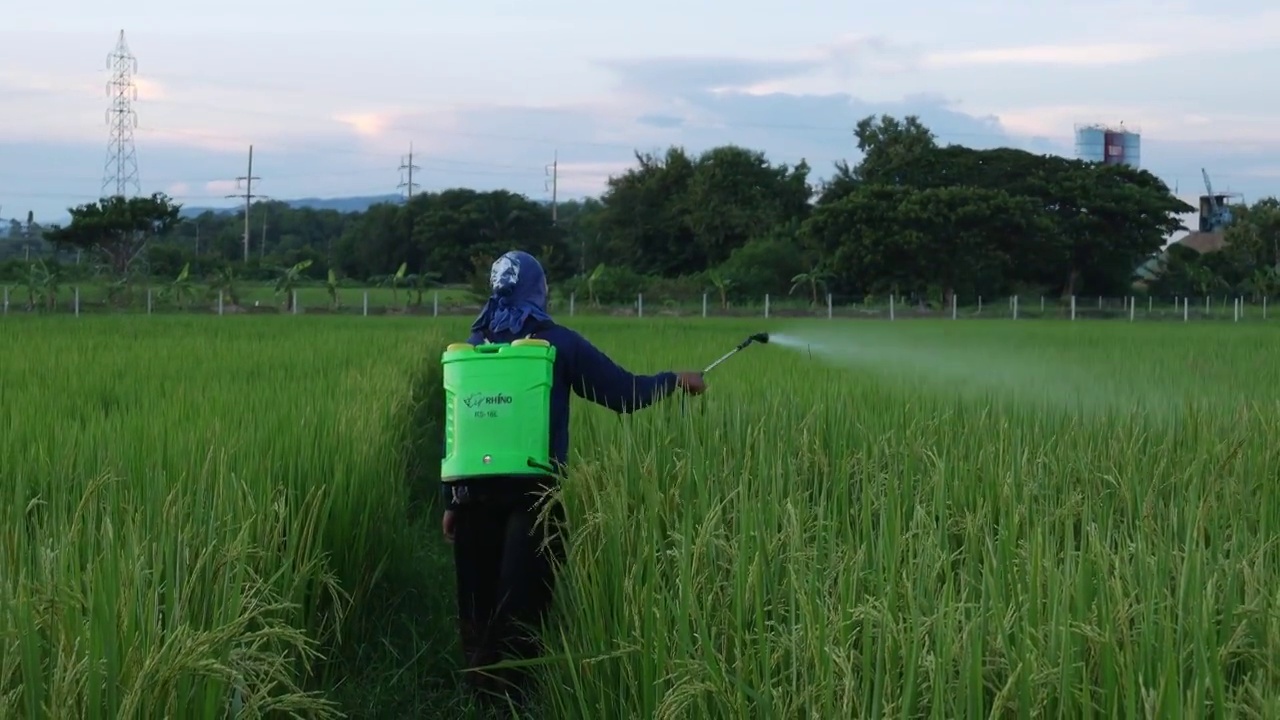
[762, 338]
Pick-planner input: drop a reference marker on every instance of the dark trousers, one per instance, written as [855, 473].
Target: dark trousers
[504, 556]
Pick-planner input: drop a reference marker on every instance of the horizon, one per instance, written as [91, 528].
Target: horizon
[207, 90]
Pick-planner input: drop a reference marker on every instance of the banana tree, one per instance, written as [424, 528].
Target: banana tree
[419, 283]
[592, 279]
[1265, 282]
[395, 282]
[1205, 280]
[331, 285]
[818, 276]
[288, 282]
[722, 285]
[180, 290]
[224, 281]
[120, 287]
[42, 287]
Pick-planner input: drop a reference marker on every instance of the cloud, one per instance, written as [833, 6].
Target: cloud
[1126, 40]
[677, 76]
[1055, 120]
[785, 106]
[368, 124]
[1269, 172]
[681, 75]
[75, 85]
[148, 89]
[500, 146]
[658, 120]
[1166, 124]
[169, 137]
[580, 179]
[222, 187]
[1068, 55]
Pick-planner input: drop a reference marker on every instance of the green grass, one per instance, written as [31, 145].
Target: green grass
[918, 519]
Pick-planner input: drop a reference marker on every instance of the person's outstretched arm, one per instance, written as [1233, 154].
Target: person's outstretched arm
[596, 377]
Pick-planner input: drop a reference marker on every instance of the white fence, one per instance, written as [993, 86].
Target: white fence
[892, 308]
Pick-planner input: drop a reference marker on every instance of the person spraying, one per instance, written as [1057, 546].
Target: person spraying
[507, 395]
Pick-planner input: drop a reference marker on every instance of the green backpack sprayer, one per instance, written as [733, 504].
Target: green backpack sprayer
[498, 408]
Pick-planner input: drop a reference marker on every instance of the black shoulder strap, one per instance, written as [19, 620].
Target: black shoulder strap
[533, 328]
[538, 326]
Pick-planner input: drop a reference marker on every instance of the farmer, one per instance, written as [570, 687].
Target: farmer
[504, 572]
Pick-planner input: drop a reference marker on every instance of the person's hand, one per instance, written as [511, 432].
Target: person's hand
[447, 525]
[691, 382]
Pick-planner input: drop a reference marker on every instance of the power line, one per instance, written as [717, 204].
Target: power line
[248, 196]
[121, 171]
[409, 185]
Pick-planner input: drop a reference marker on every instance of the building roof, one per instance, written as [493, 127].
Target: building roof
[1203, 242]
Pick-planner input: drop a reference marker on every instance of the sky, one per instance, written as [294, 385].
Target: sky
[489, 93]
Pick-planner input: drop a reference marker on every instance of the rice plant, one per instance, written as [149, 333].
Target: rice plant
[207, 516]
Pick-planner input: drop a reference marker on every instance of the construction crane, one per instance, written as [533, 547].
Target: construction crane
[1215, 214]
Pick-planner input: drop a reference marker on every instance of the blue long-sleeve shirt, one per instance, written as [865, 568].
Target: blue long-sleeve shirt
[581, 368]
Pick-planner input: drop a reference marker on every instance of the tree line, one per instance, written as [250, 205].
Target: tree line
[913, 217]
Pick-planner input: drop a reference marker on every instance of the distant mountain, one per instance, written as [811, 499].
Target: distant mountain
[341, 204]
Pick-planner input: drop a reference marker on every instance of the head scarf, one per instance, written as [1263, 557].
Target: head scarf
[519, 293]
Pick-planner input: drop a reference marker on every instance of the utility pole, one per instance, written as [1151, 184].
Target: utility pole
[553, 177]
[248, 196]
[408, 165]
[121, 171]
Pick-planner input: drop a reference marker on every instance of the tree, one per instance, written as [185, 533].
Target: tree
[677, 215]
[645, 216]
[1099, 223]
[763, 266]
[736, 195]
[179, 290]
[1117, 218]
[118, 228]
[909, 216]
[816, 277]
[1253, 239]
[969, 236]
[892, 149]
[287, 282]
[864, 242]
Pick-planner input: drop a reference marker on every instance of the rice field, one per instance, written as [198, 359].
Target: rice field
[205, 515]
